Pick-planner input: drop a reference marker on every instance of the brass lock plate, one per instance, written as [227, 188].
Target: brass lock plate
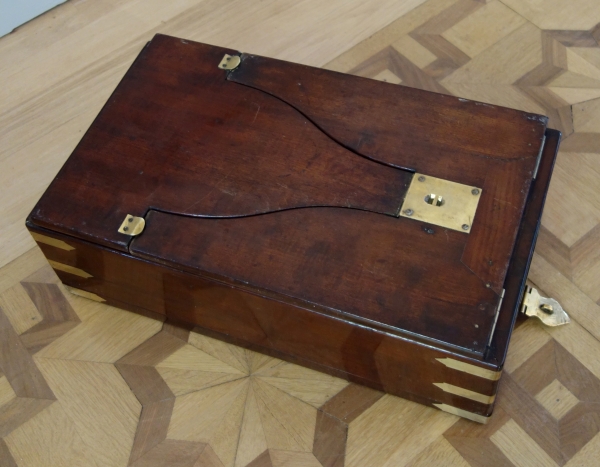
[441, 202]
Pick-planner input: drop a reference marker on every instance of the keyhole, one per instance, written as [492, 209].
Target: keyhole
[434, 199]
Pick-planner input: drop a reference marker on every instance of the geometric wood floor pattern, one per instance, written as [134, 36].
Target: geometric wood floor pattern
[84, 384]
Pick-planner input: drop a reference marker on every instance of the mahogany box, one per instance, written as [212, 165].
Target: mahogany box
[378, 233]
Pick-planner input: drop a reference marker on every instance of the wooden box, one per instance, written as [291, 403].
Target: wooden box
[375, 232]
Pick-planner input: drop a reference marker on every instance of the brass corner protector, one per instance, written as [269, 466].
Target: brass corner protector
[547, 310]
[85, 294]
[466, 393]
[230, 62]
[470, 369]
[69, 269]
[132, 225]
[463, 413]
[39, 238]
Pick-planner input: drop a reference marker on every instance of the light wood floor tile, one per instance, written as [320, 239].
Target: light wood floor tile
[185, 381]
[522, 451]
[100, 404]
[591, 54]
[7, 393]
[581, 344]
[189, 357]
[209, 405]
[288, 423]
[552, 14]
[105, 337]
[49, 439]
[576, 95]
[26, 264]
[253, 441]
[526, 340]
[19, 309]
[588, 455]
[229, 354]
[571, 213]
[379, 434]
[440, 452]
[557, 399]
[586, 115]
[293, 459]
[504, 62]
[484, 28]
[173, 453]
[310, 386]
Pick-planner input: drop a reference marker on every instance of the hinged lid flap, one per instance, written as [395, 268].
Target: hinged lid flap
[285, 164]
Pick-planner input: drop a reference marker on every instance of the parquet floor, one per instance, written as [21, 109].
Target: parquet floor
[83, 384]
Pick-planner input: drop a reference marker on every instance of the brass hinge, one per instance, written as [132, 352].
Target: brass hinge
[539, 158]
[441, 202]
[132, 225]
[546, 309]
[230, 62]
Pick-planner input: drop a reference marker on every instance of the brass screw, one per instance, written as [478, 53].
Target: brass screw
[130, 219]
[475, 191]
[547, 308]
[409, 212]
[465, 226]
[125, 229]
[421, 178]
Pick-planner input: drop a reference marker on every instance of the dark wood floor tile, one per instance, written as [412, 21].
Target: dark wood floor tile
[6, 458]
[578, 427]
[145, 382]
[330, 440]
[179, 330]
[16, 412]
[524, 409]
[538, 371]
[154, 350]
[480, 452]
[174, 453]
[44, 333]
[467, 429]
[208, 458]
[575, 377]
[18, 365]
[350, 402]
[152, 428]
[582, 142]
[50, 302]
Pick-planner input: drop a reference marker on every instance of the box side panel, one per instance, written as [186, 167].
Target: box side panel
[523, 252]
[389, 363]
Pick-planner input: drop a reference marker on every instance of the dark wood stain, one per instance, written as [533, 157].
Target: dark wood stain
[271, 194]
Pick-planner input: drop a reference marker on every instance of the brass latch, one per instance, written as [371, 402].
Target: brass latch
[441, 202]
[132, 225]
[229, 62]
[546, 309]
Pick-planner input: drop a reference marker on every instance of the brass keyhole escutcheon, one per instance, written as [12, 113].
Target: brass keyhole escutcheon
[434, 199]
[441, 202]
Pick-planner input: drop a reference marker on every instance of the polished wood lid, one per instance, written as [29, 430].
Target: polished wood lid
[288, 181]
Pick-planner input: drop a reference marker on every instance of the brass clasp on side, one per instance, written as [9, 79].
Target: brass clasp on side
[546, 309]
